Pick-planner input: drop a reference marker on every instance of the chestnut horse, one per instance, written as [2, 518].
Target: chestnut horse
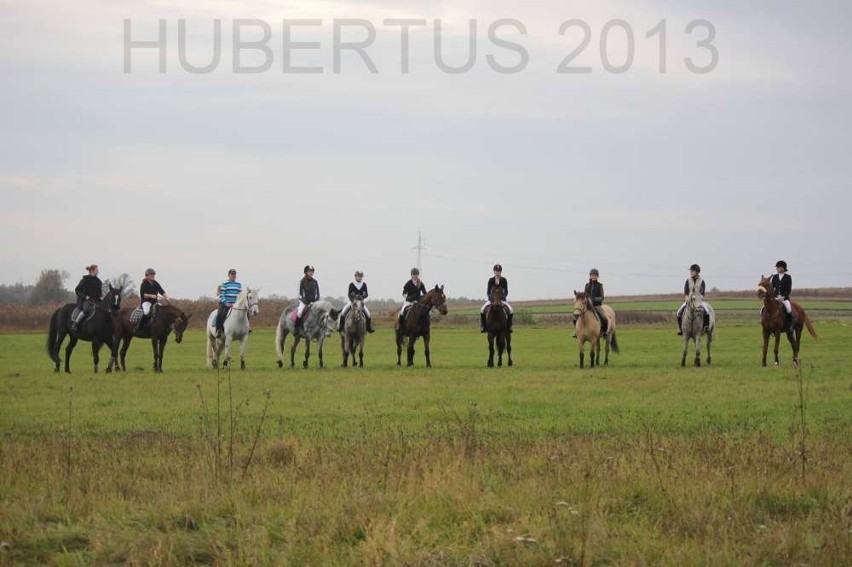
[772, 321]
[417, 324]
[497, 326]
[166, 318]
[589, 329]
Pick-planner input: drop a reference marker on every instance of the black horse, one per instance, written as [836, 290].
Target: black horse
[417, 324]
[497, 325]
[99, 329]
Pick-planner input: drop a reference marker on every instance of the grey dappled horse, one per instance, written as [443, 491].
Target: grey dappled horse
[236, 328]
[692, 327]
[354, 332]
[318, 322]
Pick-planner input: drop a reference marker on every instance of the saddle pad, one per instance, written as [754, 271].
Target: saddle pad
[136, 315]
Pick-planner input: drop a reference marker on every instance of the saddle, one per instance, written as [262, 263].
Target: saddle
[293, 314]
[91, 312]
[503, 307]
[136, 315]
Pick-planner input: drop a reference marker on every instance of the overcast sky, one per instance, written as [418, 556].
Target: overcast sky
[638, 173]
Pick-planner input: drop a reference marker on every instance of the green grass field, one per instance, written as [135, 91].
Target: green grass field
[641, 462]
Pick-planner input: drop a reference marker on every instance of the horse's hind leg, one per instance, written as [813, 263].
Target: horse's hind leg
[398, 349]
[72, 342]
[490, 362]
[296, 340]
[709, 342]
[96, 357]
[697, 351]
[509, 348]
[425, 351]
[319, 353]
[360, 355]
[243, 346]
[307, 353]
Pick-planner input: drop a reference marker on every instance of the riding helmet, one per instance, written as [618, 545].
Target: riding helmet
[498, 268]
[415, 272]
[695, 268]
[309, 268]
[150, 272]
[781, 264]
[594, 272]
[359, 273]
[232, 271]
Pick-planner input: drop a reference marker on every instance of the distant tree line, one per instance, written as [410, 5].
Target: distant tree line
[50, 288]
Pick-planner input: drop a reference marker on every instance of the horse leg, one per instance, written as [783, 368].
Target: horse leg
[490, 362]
[794, 344]
[509, 348]
[344, 348]
[112, 344]
[426, 339]
[765, 345]
[96, 358]
[125, 344]
[243, 346]
[582, 348]
[307, 352]
[709, 342]
[777, 342]
[319, 351]
[697, 362]
[360, 354]
[594, 353]
[606, 349]
[410, 352]
[398, 349]
[296, 339]
[72, 342]
[163, 342]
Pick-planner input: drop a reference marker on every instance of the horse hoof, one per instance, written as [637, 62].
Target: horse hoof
[510, 363]
[280, 364]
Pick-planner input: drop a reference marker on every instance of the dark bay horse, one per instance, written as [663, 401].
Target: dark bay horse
[497, 326]
[772, 321]
[99, 329]
[589, 329]
[354, 332]
[417, 324]
[161, 324]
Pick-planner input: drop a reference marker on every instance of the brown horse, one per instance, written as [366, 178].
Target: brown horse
[497, 325]
[589, 329]
[166, 318]
[772, 321]
[417, 324]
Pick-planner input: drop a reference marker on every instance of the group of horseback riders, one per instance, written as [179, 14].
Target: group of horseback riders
[89, 293]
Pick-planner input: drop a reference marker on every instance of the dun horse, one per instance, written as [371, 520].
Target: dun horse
[354, 332]
[772, 321]
[318, 322]
[589, 330]
[692, 328]
[236, 327]
[98, 328]
[497, 326]
[417, 324]
[165, 319]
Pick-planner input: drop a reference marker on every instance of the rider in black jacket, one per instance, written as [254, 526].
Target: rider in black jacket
[88, 292]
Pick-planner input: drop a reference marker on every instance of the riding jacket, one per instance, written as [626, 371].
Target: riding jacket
[782, 284]
[687, 287]
[595, 291]
[353, 290]
[89, 286]
[309, 290]
[150, 288]
[413, 292]
[492, 283]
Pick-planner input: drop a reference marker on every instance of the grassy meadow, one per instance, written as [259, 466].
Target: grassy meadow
[638, 463]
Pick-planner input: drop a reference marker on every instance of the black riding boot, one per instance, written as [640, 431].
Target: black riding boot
[706, 322]
[511, 316]
[482, 322]
[298, 326]
[341, 321]
[680, 324]
[139, 324]
[370, 328]
[788, 321]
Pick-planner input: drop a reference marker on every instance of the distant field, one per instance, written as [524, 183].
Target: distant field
[641, 462]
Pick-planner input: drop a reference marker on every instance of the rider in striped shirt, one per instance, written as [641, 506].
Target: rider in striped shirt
[227, 292]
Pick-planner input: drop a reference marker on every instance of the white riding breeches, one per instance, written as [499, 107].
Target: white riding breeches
[682, 307]
[404, 305]
[300, 309]
[504, 302]
[146, 307]
[348, 306]
[787, 306]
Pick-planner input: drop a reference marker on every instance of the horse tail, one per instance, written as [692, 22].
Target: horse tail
[53, 337]
[613, 343]
[280, 336]
[810, 325]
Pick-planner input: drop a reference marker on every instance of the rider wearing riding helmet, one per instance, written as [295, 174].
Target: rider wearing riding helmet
[308, 293]
[694, 284]
[358, 287]
[497, 280]
[782, 283]
[150, 291]
[412, 291]
[595, 291]
[88, 292]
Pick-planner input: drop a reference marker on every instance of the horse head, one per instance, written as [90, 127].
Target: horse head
[436, 298]
[252, 301]
[112, 299]
[497, 295]
[180, 324]
[582, 303]
[763, 287]
[356, 310]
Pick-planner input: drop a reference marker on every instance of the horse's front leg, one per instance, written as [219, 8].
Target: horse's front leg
[296, 339]
[606, 349]
[344, 343]
[685, 348]
[360, 354]
[72, 342]
[581, 349]
[697, 361]
[765, 346]
[426, 339]
[490, 362]
[96, 357]
[509, 348]
[398, 349]
[777, 344]
[307, 352]
[113, 355]
[709, 342]
[125, 344]
[319, 350]
[243, 347]
[594, 353]
[411, 341]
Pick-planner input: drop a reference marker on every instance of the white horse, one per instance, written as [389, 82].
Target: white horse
[319, 322]
[692, 327]
[236, 328]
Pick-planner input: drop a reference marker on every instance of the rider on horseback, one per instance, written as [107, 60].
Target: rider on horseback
[412, 291]
[227, 292]
[497, 281]
[88, 291]
[308, 293]
[694, 284]
[595, 291]
[358, 287]
[149, 292]
[782, 283]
